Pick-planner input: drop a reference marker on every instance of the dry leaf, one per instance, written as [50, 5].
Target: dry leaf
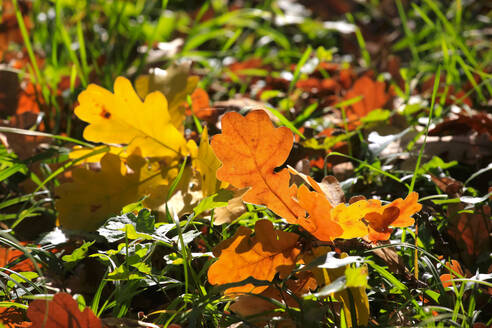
[10, 255]
[250, 148]
[205, 162]
[12, 317]
[61, 312]
[374, 97]
[93, 196]
[455, 271]
[200, 106]
[471, 231]
[122, 118]
[261, 257]
[234, 209]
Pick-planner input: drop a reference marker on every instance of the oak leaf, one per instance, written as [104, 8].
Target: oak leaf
[13, 317]
[361, 218]
[260, 308]
[233, 210]
[200, 105]
[470, 231]
[261, 257]
[455, 271]
[373, 97]
[11, 256]
[319, 222]
[94, 196]
[61, 312]
[122, 118]
[250, 148]
[175, 83]
[78, 151]
[205, 162]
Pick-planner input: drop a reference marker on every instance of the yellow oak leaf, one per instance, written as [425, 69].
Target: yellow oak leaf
[94, 196]
[122, 118]
[175, 83]
[79, 151]
[261, 257]
[205, 162]
[250, 148]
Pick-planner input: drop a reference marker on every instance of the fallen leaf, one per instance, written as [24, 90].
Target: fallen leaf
[205, 162]
[122, 118]
[373, 97]
[9, 94]
[463, 124]
[319, 222]
[12, 317]
[267, 253]
[175, 83]
[239, 69]
[234, 209]
[79, 151]
[9, 27]
[200, 105]
[10, 255]
[391, 258]
[258, 308]
[250, 148]
[470, 231]
[361, 218]
[84, 205]
[61, 312]
[397, 214]
[455, 271]
[319, 86]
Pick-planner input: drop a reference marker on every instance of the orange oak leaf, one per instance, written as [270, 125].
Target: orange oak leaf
[12, 256]
[12, 317]
[373, 97]
[362, 218]
[250, 148]
[455, 271]
[319, 222]
[407, 207]
[396, 214]
[261, 257]
[260, 308]
[470, 231]
[61, 312]
[379, 223]
[122, 118]
[200, 105]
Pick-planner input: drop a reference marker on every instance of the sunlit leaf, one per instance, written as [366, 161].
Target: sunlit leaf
[261, 257]
[122, 118]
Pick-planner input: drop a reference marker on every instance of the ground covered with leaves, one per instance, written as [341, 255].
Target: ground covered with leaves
[245, 163]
